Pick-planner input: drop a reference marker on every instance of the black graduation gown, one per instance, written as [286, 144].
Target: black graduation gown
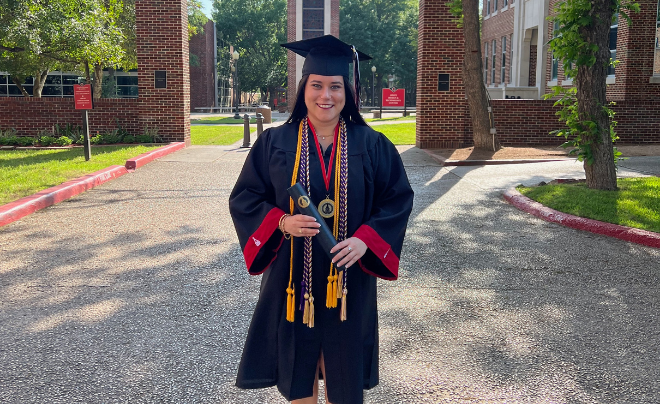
[285, 354]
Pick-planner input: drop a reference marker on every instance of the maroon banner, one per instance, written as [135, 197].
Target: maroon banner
[394, 98]
[82, 94]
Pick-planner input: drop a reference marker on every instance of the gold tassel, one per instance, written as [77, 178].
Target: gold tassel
[306, 312]
[342, 316]
[340, 284]
[290, 305]
[328, 294]
[334, 290]
[310, 324]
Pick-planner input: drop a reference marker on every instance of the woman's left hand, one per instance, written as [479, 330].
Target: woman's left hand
[350, 250]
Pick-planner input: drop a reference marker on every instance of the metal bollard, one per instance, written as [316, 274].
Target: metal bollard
[260, 123]
[246, 130]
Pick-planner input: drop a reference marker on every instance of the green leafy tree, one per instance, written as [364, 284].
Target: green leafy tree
[581, 42]
[386, 30]
[255, 28]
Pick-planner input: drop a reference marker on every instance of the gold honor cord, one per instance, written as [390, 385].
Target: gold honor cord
[291, 290]
[331, 290]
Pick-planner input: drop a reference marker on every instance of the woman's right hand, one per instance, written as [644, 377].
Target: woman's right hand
[301, 226]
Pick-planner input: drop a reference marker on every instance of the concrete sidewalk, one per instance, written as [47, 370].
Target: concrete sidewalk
[136, 292]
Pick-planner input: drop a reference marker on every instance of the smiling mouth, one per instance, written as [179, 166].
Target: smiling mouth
[325, 106]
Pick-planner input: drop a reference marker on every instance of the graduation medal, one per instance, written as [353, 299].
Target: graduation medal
[327, 208]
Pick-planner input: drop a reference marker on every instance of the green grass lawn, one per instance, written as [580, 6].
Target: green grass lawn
[221, 121]
[216, 135]
[399, 133]
[635, 204]
[396, 118]
[24, 172]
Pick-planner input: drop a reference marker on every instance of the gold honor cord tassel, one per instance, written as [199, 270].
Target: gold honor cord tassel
[334, 289]
[306, 312]
[340, 285]
[342, 316]
[310, 320]
[328, 291]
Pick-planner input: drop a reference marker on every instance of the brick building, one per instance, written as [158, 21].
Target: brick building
[203, 81]
[517, 61]
[307, 19]
[518, 64]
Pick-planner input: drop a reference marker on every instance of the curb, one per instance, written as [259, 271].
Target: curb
[142, 159]
[25, 206]
[446, 162]
[638, 236]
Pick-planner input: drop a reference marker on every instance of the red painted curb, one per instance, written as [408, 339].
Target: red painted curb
[638, 236]
[48, 197]
[147, 157]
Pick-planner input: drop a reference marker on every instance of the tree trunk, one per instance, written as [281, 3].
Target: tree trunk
[88, 79]
[98, 81]
[591, 97]
[473, 79]
[39, 81]
[20, 86]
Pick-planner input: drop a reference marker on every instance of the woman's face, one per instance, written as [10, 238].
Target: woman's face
[325, 98]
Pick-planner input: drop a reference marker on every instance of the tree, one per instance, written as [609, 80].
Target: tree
[581, 42]
[255, 28]
[467, 13]
[386, 30]
[39, 36]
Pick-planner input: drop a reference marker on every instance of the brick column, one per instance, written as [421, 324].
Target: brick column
[292, 85]
[162, 45]
[440, 115]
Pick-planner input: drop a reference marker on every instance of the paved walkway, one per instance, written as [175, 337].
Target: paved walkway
[136, 292]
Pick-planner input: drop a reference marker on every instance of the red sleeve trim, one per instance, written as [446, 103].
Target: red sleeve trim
[381, 249]
[261, 236]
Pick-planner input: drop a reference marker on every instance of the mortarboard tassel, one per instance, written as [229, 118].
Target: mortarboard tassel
[356, 78]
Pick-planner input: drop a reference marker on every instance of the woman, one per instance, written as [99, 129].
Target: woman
[305, 320]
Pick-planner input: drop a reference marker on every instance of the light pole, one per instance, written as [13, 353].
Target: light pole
[235, 56]
[373, 81]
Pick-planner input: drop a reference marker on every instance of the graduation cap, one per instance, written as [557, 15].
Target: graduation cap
[328, 56]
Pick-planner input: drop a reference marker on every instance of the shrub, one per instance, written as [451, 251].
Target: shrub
[129, 139]
[45, 141]
[98, 139]
[62, 141]
[144, 139]
[25, 141]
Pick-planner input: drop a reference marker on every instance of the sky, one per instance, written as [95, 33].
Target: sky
[207, 7]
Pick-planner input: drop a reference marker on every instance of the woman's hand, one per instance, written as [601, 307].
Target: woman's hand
[350, 250]
[301, 226]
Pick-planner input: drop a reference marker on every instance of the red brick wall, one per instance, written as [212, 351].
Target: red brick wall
[440, 115]
[162, 44]
[291, 57]
[29, 116]
[202, 91]
[495, 26]
[334, 21]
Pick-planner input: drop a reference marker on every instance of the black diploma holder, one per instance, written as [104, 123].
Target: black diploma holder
[306, 207]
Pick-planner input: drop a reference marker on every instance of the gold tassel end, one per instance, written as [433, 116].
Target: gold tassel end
[342, 316]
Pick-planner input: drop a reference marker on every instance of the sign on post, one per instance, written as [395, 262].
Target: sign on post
[394, 97]
[82, 95]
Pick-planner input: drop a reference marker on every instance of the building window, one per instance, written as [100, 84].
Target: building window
[555, 61]
[487, 7]
[656, 62]
[511, 56]
[505, 3]
[614, 29]
[486, 63]
[494, 5]
[313, 18]
[492, 77]
[503, 69]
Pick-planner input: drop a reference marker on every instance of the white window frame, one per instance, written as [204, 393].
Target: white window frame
[486, 67]
[493, 63]
[503, 63]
